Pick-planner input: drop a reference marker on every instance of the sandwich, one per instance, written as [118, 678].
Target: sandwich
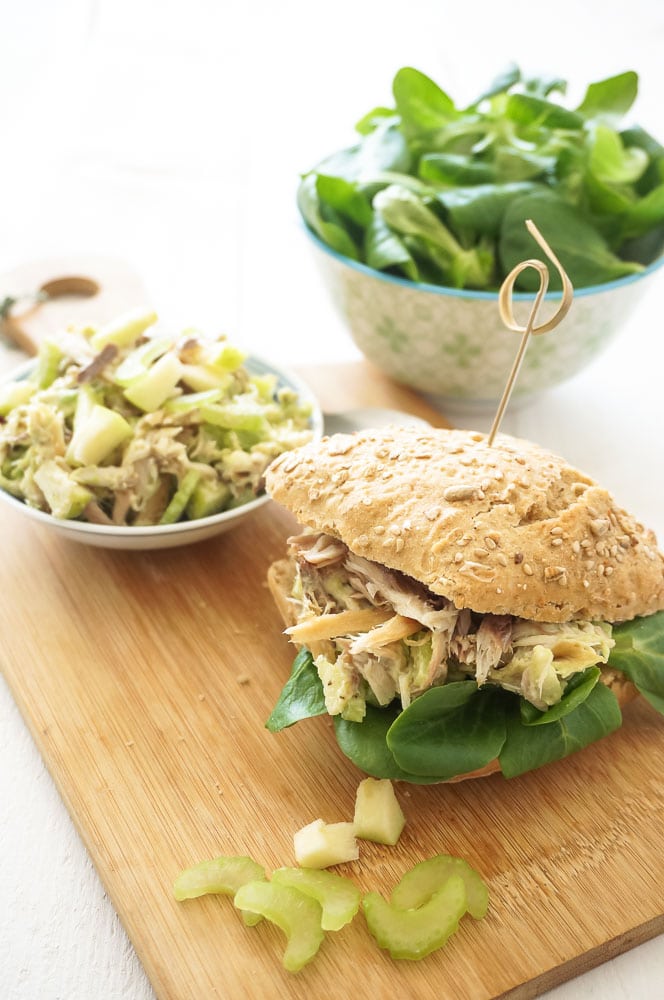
[458, 608]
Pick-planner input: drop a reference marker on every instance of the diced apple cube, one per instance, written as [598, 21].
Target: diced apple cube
[124, 330]
[320, 844]
[378, 815]
[14, 394]
[98, 436]
[201, 378]
[152, 389]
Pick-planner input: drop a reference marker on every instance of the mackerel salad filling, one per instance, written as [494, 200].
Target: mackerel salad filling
[376, 634]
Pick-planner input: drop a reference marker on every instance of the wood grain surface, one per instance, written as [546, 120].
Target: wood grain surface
[146, 679]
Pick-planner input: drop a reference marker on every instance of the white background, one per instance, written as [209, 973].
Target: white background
[171, 134]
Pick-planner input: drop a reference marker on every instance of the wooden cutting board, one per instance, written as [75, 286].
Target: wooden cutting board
[146, 680]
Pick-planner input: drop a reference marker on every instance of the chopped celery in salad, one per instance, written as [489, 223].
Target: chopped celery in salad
[129, 425]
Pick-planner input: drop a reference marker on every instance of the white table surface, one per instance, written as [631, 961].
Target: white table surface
[172, 135]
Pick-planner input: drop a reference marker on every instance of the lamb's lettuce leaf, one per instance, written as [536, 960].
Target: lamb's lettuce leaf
[449, 730]
[461, 222]
[365, 743]
[302, 696]
[530, 747]
[639, 654]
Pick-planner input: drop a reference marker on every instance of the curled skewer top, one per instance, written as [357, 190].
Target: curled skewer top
[506, 308]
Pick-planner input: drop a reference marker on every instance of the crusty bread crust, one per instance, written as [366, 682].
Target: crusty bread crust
[508, 529]
[280, 581]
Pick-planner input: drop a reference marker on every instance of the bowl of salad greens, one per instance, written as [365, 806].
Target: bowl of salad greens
[416, 225]
[133, 436]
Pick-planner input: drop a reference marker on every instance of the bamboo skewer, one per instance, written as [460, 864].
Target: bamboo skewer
[505, 305]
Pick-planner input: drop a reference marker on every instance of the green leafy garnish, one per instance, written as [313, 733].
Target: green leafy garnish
[302, 696]
[449, 730]
[530, 747]
[639, 655]
[439, 193]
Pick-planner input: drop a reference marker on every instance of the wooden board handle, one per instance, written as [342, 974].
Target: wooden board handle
[54, 293]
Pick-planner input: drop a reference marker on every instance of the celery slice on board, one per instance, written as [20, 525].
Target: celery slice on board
[298, 916]
[219, 875]
[414, 933]
[338, 896]
[420, 883]
[224, 876]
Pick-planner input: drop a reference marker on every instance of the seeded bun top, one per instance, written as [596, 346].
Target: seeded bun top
[507, 529]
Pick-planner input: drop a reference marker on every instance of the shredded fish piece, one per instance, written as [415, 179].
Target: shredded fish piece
[392, 630]
[343, 623]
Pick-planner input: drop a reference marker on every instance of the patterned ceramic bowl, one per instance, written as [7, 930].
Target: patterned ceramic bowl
[451, 344]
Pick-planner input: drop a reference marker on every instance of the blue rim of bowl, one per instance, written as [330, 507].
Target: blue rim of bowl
[257, 366]
[471, 293]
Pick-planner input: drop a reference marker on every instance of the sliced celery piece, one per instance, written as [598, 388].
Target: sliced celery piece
[209, 497]
[65, 497]
[265, 386]
[338, 896]
[181, 497]
[49, 358]
[225, 356]
[238, 415]
[298, 916]
[414, 933]
[124, 330]
[222, 875]
[420, 883]
[190, 401]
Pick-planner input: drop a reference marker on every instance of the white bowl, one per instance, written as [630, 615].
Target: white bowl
[451, 343]
[165, 536]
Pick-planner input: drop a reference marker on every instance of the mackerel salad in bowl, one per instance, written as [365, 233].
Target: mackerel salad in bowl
[131, 435]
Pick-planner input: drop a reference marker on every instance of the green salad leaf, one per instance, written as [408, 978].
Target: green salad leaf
[639, 655]
[302, 696]
[530, 747]
[365, 743]
[449, 730]
[435, 192]
[578, 688]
